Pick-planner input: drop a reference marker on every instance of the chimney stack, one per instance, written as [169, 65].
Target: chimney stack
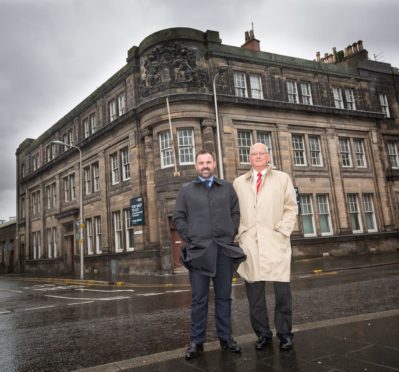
[250, 41]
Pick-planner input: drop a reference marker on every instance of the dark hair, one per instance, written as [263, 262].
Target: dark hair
[203, 152]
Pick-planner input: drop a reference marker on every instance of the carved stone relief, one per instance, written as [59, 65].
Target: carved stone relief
[169, 65]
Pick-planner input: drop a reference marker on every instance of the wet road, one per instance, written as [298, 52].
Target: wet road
[51, 327]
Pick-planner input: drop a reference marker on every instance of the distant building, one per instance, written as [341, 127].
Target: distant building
[331, 123]
[7, 243]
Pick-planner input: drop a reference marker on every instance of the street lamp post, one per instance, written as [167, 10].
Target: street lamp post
[81, 225]
[221, 71]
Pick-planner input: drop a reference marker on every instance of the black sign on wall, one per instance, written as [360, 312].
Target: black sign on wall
[137, 210]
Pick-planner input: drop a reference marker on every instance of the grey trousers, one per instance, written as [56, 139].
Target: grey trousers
[282, 311]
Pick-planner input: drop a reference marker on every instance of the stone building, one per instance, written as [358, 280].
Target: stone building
[7, 242]
[331, 123]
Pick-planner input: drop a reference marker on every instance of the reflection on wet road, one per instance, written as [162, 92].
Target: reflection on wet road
[61, 327]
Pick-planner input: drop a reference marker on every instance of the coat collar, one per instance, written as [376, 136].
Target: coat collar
[215, 180]
[249, 174]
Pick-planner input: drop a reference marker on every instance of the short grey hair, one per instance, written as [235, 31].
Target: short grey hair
[259, 143]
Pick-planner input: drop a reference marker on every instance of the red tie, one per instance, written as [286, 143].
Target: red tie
[258, 182]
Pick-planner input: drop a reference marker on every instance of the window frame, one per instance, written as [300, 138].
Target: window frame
[384, 104]
[292, 91]
[240, 84]
[320, 212]
[393, 156]
[186, 145]
[366, 204]
[310, 199]
[255, 84]
[296, 151]
[356, 211]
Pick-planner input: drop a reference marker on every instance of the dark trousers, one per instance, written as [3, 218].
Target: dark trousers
[200, 294]
[282, 311]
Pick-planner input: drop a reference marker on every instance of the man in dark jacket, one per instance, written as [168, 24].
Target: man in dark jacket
[207, 217]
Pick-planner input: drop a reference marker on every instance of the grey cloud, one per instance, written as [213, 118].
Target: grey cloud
[54, 53]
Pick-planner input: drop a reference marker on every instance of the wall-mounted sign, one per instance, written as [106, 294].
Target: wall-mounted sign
[137, 211]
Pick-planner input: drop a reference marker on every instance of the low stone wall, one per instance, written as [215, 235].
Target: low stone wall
[344, 245]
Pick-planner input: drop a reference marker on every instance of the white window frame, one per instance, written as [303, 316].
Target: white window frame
[244, 141]
[116, 218]
[70, 136]
[345, 152]
[115, 177]
[353, 209]
[166, 149]
[69, 188]
[255, 82]
[49, 198]
[323, 208]
[360, 155]
[96, 177]
[350, 99]
[86, 126]
[338, 100]
[240, 84]
[316, 158]
[129, 233]
[299, 150]
[393, 154]
[292, 91]
[383, 98]
[55, 250]
[93, 123]
[89, 236]
[308, 210]
[125, 164]
[306, 93]
[97, 228]
[37, 245]
[87, 178]
[186, 146]
[121, 104]
[368, 209]
[112, 110]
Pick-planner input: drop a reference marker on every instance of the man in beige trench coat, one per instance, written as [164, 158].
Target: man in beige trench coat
[268, 215]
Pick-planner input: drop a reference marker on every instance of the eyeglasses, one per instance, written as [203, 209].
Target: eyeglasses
[258, 153]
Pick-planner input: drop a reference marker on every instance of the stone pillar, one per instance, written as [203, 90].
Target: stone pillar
[381, 187]
[106, 223]
[208, 139]
[284, 144]
[151, 226]
[338, 199]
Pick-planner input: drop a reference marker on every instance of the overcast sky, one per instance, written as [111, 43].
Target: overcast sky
[54, 53]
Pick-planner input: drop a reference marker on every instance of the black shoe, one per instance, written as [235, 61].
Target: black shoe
[262, 342]
[286, 344]
[230, 345]
[194, 350]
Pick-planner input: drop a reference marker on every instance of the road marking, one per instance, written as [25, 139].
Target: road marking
[10, 290]
[178, 291]
[4, 312]
[105, 290]
[150, 294]
[80, 303]
[89, 299]
[37, 308]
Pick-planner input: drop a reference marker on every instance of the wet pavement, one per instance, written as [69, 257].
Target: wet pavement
[62, 324]
[359, 343]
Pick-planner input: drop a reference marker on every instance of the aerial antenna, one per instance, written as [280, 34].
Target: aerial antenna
[378, 57]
